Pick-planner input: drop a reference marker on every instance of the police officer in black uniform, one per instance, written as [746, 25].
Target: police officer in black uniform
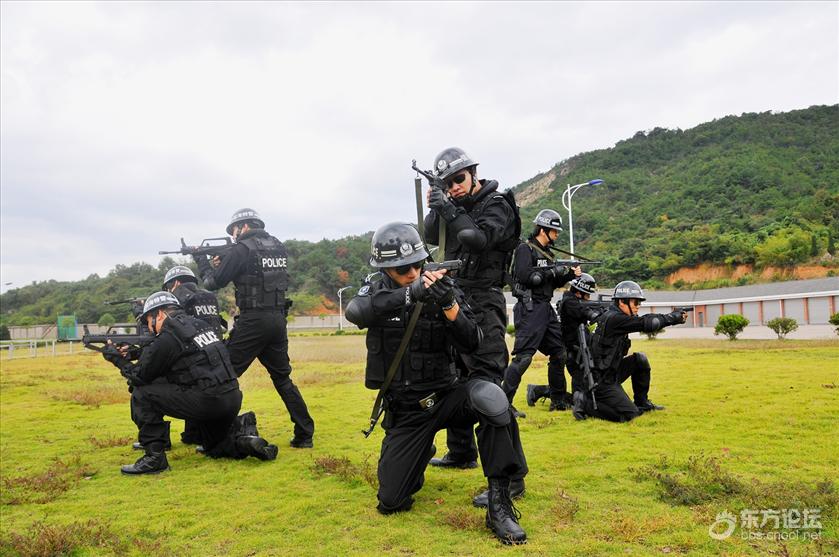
[257, 265]
[573, 311]
[425, 394]
[537, 328]
[482, 229]
[185, 372]
[609, 348]
[197, 302]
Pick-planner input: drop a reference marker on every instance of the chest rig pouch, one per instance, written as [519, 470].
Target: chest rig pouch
[265, 280]
[427, 362]
[490, 267]
[204, 360]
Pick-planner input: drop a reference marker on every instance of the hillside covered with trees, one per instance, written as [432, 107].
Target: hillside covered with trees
[757, 189]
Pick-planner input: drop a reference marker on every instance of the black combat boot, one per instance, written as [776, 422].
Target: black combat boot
[557, 404]
[516, 491]
[502, 516]
[579, 408]
[302, 443]
[449, 462]
[647, 405]
[536, 393]
[256, 446]
[153, 462]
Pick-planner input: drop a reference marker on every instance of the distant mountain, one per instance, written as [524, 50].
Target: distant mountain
[759, 189]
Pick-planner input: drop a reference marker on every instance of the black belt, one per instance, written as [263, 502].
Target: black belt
[422, 404]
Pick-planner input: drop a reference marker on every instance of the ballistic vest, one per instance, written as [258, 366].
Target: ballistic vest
[607, 348]
[200, 303]
[428, 362]
[204, 361]
[265, 280]
[487, 268]
[539, 260]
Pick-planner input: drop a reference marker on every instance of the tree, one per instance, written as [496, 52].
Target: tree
[731, 325]
[106, 320]
[834, 320]
[4, 333]
[782, 326]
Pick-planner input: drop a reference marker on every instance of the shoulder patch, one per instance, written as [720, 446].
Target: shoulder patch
[364, 290]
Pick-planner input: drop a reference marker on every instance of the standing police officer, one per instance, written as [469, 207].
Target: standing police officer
[612, 366]
[572, 312]
[537, 328]
[425, 394]
[185, 372]
[256, 264]
[482, 228]
[197, 302]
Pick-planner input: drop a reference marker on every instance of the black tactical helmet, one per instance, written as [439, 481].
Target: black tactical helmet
[628, 290]
[181, 272]
[451, 161]
[584, 283]
[396, 244]
[548, 218]
[243, 215]
[157, 300]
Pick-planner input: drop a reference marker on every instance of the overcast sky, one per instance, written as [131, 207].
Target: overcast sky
[124, 126]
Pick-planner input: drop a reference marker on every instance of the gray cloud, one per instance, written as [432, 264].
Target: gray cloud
[128, 125]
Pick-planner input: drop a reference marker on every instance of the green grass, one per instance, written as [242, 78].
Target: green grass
[747, 423]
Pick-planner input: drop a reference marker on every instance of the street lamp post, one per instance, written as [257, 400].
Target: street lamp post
[341, 308]
[566, 202]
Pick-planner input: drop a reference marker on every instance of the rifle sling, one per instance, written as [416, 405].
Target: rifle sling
[394, 365]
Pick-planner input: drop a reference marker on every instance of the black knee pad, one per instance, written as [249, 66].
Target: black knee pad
[642, 362]
[488, 400]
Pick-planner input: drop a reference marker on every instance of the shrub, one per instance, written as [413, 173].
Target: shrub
[834, 320]
[511, 329]
[782, 326]
[654, 334]
[731, 325]
[107, 320]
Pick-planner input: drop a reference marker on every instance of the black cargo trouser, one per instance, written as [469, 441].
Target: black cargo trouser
[409, 434]
[489, 360]
[211, 411]
[537, 329]
[613, 403]
[262, 335]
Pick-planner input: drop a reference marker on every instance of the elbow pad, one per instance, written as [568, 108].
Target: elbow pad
[653, 322]
[360, 311]
[472, 239]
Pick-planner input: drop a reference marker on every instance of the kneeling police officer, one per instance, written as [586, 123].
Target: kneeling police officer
[185, 372]
[612, 366]
[425, 394]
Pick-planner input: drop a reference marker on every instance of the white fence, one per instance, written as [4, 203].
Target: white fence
[15, 349]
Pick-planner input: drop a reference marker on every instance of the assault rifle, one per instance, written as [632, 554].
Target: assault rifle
[586, 363]
[433, 180]
[576, 262]
[136, 304]
[210, 247]
[136, 340]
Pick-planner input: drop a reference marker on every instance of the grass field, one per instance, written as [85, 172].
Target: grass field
[748, 425]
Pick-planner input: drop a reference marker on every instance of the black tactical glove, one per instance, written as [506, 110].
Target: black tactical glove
[111, 354]
[417, 292]
[440, 203]
[442, 292]
[559, 270]
[676, 318]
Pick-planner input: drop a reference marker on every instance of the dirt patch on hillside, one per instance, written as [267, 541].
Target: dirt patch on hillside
[707, 272]
[536, 191]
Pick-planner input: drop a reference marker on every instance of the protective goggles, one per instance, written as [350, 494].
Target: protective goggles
[459, 179]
